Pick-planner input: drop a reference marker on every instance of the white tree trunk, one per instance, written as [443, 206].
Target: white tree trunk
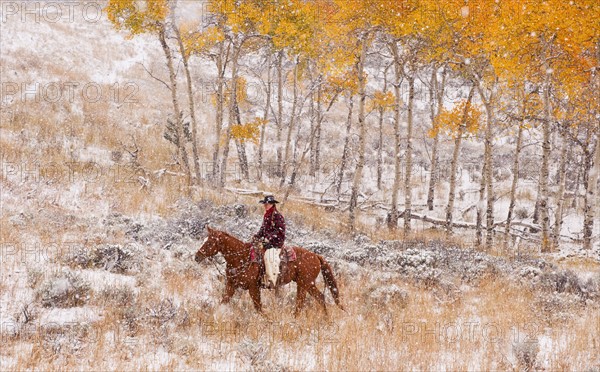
[591, 189]
[220, 114]
[380, 147]
[346, 151]
[479, 207]
[280, 84]
[393, 216]
[454, 165]
[288, 140]
[546, 149]
[544, 171]
[515, 180]
[436, 95]
[489, 174]
[190, 94]
[561, 195]
[232, 114]
[176, 110]
[409, 147]
[362, 140]
[265, 118]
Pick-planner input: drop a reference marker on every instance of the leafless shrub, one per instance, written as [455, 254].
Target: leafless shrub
[556, 307]
[27, 313]
[111, 257]
[116, 258]
[116, 295]
[256, 353]
[591, 287]
[389, 294]
[68, 338]
[521, 213]
[564, 281]
[526, 353]
[446, 292]
[502, 174]
[64, 289]
[80, 256]
[130, 318]
[162, 312]
[34, 277]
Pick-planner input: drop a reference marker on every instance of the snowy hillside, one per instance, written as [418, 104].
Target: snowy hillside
[105, 197]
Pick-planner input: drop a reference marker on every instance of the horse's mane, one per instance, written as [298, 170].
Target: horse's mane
[228, 235]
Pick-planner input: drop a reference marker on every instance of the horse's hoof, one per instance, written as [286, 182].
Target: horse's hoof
[263, 315]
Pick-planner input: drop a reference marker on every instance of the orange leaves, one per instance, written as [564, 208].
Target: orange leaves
[497, 43]
[249, 131]
[340, 83]
[382, 100]
[519, 35]
[296, 27]
[197, 42]
[137, 16]
[241, 92]
[449, 121]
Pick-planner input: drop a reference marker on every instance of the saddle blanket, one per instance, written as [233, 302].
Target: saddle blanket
[289, 253]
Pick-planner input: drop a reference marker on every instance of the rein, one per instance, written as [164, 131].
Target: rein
[233, 272]
[213, 261]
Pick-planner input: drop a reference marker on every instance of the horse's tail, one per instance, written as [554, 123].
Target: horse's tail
[330, 281]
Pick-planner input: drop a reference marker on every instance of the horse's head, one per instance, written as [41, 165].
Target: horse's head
[210, 247]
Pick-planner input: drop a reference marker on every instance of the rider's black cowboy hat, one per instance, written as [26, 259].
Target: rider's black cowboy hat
[269, 199]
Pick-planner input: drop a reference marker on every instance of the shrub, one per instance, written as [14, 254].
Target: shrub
[116, 258]
[111, 257]
[64, 289]
[390, 293]
[117, 295]
[521, 213]
[526, 353]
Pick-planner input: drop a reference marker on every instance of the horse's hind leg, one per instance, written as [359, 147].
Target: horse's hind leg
[300, 296]
[318, 295]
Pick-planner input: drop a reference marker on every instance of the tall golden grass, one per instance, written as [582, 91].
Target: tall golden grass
[481, 331]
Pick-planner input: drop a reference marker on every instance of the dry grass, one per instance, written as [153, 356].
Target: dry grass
[317, 218]
[168, 324]
[580, 264]
[170, 321]
[525, 193]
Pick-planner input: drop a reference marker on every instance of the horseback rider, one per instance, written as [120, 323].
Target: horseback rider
[271, 233]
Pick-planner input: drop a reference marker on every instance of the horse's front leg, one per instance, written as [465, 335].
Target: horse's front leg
[300, 296]
[229, 291]
[255, 295]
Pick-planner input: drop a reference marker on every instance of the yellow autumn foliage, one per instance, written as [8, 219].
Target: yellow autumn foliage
[249, 131]
[449, 121]
[382, 100]
[137, 16]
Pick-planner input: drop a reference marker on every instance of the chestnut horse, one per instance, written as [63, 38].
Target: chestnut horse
[241, 272]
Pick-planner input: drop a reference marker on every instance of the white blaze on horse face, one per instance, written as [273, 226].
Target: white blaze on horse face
[272, 261]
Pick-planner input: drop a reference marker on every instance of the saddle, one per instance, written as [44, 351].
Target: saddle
[273, 263]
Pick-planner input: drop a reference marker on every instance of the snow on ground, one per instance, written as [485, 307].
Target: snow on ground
[58, 317]
[38, 212]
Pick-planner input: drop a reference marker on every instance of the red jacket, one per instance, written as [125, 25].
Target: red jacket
[272, 229]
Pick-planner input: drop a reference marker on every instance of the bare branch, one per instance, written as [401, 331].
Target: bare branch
[154, 77]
